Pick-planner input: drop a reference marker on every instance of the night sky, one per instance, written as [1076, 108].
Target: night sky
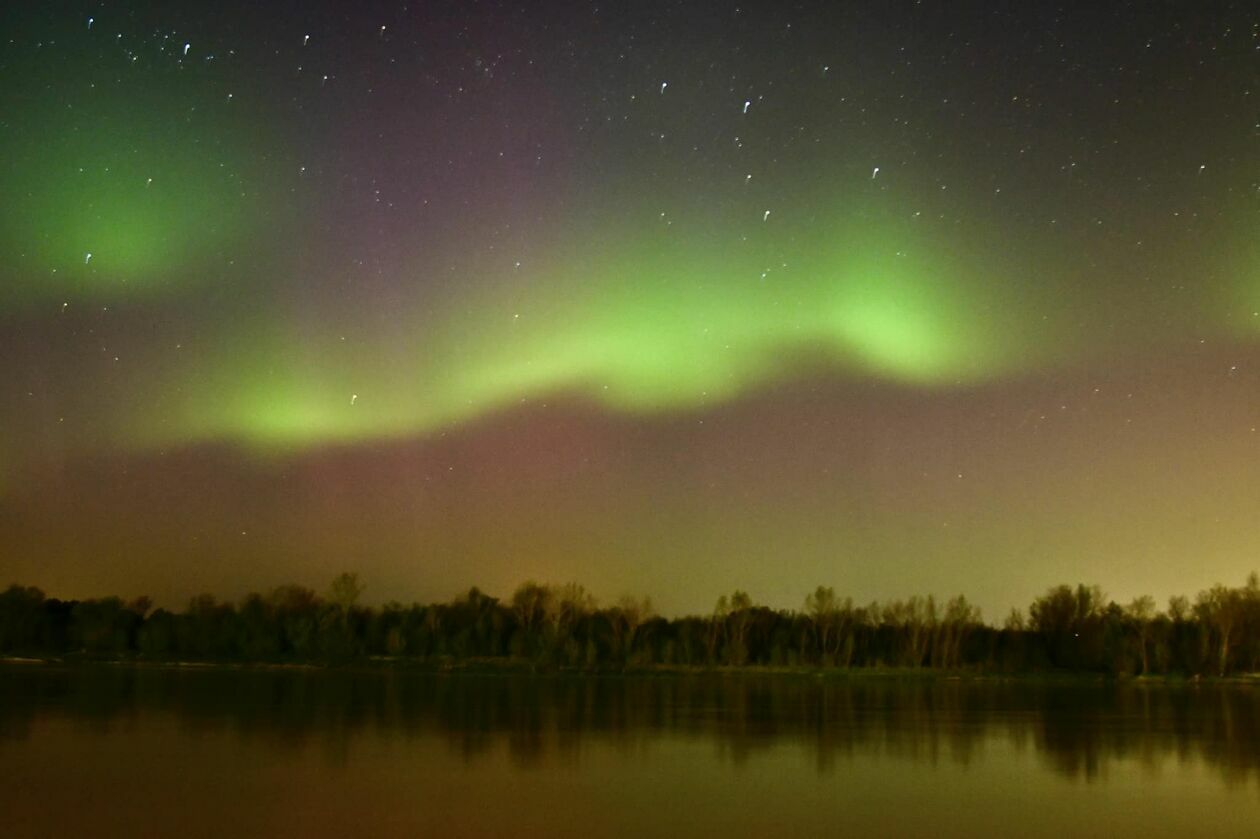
[665, 298]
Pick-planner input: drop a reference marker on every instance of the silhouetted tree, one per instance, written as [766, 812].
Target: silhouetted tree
[1221, 610]
[530, 604]
[625, 618]
[738, 622]
[824, 610]
[344, 591]
[21, 616]
[957, 624]
[1141, 615]
[1070, 621]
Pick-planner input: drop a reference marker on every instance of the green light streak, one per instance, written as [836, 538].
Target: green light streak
[658, 325]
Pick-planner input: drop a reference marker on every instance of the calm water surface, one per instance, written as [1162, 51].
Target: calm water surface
[113, 751]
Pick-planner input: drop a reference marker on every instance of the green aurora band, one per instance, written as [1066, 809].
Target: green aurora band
[639, 316]
[657, 325]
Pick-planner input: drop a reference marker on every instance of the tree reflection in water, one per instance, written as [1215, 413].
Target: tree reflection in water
[1077, 728]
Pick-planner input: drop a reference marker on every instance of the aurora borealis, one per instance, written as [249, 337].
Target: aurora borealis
[659, 297]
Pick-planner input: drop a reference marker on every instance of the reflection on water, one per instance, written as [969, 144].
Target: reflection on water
[1194, 743]
[1077, 727]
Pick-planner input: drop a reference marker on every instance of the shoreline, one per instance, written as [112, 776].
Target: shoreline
[512, 667]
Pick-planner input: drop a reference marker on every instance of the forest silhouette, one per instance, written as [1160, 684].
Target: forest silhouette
[562, 627]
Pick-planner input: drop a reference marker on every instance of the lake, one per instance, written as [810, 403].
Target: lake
[148, 751]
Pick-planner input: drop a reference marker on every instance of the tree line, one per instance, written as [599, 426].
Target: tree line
[562, 626]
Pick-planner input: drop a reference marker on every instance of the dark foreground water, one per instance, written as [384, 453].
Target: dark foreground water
[114, 751]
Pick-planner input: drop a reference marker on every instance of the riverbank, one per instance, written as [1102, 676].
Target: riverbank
[496, 666]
